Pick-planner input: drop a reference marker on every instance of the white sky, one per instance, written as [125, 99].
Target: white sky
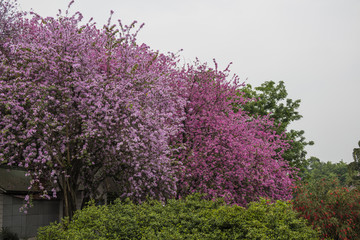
[311, 45]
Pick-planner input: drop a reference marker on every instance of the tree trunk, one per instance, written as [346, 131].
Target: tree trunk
[69, 194]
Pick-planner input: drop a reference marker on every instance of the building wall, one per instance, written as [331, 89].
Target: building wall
[1, 209]
[25, 225]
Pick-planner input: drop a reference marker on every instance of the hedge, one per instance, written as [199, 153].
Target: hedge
[190, 218]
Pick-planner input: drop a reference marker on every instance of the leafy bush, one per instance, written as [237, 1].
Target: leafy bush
[330, 207]
[190, 218]
[7, 234]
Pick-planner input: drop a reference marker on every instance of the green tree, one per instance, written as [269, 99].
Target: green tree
[271, 99]
[354, 168]
[318, 170]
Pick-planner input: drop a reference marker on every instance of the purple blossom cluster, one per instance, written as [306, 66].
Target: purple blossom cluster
[8, 18]
[227, 154]
[79, 105]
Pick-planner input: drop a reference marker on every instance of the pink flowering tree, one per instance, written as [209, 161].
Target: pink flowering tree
[227, 154]
[80, 105]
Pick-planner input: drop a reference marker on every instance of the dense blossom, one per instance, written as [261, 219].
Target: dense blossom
[78, 104]
[82, 106]
[227, 154]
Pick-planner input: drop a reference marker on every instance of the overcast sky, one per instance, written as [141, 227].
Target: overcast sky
[311, 45]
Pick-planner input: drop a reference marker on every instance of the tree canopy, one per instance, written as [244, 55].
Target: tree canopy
[270, 99]
[354, 168]
[79, 105]
[318, 170]
[228, 154]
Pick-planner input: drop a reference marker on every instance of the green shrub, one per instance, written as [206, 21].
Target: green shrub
[7, 234]
[191, 218]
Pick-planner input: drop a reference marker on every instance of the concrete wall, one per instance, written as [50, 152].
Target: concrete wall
[1, 209]
[25, 225]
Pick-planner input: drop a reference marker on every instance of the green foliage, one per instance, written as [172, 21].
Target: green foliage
[191, 218]
[354, 168]
[265, 220]
[328, 206]
[320, 170]
[271, 99]
[7, 234]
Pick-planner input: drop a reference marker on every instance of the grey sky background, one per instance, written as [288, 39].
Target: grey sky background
[311, 45]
